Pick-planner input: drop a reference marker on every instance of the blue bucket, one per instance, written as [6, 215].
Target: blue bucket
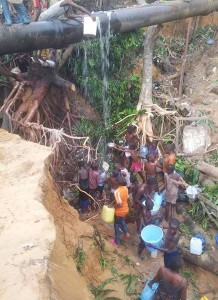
[152, 234]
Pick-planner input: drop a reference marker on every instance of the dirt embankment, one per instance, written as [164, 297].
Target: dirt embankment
[34, 261]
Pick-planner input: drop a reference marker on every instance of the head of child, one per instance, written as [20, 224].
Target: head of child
[130, 129]
[94, 166]
[120, 181]
[174, 226]
[81, 164]
[117, 166]
[170, 169]
[176, 263]
[150, 157]
[133, 146]
[169, 148]
[149, 204]
[152, 184]
[153, 145]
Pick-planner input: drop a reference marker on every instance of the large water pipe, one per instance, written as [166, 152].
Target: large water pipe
[58, 34]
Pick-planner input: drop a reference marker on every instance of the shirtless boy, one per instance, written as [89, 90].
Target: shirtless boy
[150, 166]
[171, 240]
[145, 191]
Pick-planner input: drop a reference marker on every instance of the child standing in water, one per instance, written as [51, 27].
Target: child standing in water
[121, 210]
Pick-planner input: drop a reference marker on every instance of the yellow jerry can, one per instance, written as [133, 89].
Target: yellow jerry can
[107, 214]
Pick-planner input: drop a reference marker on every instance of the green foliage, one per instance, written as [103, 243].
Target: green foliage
[188, 169]
[208, 123]
[104, 263]
[185, 230]
[192, 175]
[80, 257]
[200, 36]
[191, 278]
[212, 158]
[114, 271]
[100, 292]
[167, 46]
[168, 139]
[89, 128]
[198, 216]
[123, 89]
[211, 192]
[131, 282]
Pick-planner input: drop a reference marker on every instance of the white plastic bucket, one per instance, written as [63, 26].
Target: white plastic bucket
[89, 27]
[154, 254]
[152, 234]
[196, 246]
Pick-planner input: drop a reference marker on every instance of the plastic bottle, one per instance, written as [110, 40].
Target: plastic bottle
[196, 246]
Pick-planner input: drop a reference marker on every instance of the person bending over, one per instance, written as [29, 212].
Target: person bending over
[172, 285]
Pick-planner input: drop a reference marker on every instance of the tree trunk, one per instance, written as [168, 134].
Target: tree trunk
[59, 34]
[207, 169]
[207, 261]
[145, 98]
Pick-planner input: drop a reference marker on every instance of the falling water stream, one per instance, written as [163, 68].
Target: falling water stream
[105, 49]
[85, 68]
[104, 52]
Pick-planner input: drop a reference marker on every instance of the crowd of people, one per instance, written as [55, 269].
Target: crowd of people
[135, 180]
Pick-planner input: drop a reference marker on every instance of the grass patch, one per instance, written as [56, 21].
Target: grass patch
[100, 292]
[80, 257]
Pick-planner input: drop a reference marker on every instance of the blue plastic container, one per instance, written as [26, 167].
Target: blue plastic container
[152, 234]
[216, 239]
[148, 293]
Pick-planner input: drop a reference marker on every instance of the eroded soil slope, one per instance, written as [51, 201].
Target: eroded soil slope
[33, 256]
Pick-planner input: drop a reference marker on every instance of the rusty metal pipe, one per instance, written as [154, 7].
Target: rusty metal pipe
[60, 33]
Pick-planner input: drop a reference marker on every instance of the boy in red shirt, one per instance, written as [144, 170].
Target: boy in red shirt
[121, 210]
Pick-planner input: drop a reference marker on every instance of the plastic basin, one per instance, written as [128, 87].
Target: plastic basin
[152, 234]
